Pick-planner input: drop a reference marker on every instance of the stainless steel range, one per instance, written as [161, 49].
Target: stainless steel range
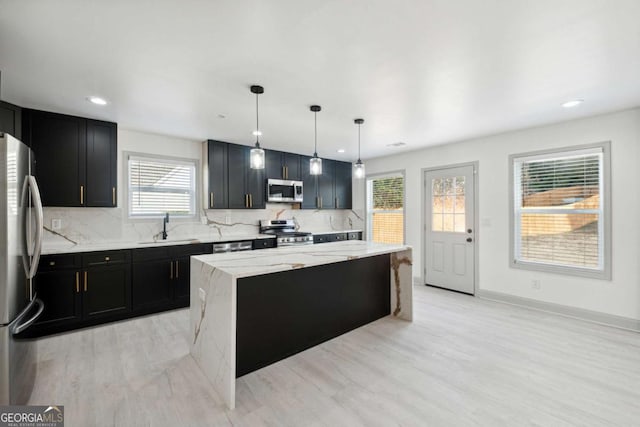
[285, 231]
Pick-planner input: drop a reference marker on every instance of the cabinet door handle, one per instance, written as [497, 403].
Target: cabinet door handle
[320, 202]
[77, 282]
[317, 202]
[284, 172]
[82, 194]
[113, 195]
[336, 203]
[250, 200]
[86, 281]
[177, 271]
[171, 274]
[211, 199]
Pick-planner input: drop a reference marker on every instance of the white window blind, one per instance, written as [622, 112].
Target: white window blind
[559, 209]
[386, 209]
[160, 185]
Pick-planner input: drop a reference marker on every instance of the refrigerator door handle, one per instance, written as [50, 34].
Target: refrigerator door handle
[30, 261]
[37, 249]
[18, 325]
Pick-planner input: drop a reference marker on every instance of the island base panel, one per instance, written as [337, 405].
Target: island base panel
[283, 313]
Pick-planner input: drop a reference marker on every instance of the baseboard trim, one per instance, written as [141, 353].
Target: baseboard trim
[563, 310]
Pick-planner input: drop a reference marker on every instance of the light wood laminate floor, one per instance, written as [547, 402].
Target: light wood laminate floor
[463, 361]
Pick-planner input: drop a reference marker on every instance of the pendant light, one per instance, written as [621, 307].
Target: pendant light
[358, 167]
[315, 163]
[256, 157]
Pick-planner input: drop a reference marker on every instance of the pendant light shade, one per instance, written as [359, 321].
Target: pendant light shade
[358, 167]
[315, 163]
[256, 156]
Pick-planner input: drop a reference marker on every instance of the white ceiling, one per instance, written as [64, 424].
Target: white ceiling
[423, 72]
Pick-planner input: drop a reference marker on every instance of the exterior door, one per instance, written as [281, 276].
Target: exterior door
[450, 230]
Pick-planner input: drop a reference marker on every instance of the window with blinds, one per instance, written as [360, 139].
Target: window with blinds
[385, 209]
[160, 185]
[559, 210]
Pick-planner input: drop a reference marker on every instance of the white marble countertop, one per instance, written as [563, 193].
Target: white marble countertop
[265, 261]
[68, 247]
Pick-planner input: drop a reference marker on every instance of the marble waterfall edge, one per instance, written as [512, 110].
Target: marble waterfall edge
[213, 327]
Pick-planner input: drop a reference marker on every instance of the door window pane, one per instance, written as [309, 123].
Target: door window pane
[448, 204]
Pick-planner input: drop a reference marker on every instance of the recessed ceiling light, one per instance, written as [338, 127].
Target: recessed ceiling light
[341, 150]
[573, 103]
[257, 133]
[97, 100]
[396, 144]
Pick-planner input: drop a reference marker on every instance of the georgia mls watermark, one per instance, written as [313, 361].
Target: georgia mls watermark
[31, 416]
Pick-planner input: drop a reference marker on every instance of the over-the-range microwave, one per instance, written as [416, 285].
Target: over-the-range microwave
[280, 190]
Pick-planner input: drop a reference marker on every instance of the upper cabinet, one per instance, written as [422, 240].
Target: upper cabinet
[232, 183]
[102, 160]
[11, 119]
[218, 174]
[326, 180]
[246, 186]
[342, 185]
[76, 159]
[331, 189]
[309, 185]
[281, 165]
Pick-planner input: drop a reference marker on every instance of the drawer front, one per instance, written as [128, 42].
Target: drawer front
[151, 254]
[354, 235]
[264, 243]
[54, 262]
[188, 250]
[320, 238]
[106, 258]
[337, 237]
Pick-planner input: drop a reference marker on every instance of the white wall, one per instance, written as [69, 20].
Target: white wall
[621, 295]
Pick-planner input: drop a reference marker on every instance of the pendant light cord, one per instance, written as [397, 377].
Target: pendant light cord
[257, 123]
[315, 133]
[359, 141]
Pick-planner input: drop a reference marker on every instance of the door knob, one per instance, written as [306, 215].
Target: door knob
[469, 239]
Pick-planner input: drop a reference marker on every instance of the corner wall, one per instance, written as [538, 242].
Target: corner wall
[618, 297]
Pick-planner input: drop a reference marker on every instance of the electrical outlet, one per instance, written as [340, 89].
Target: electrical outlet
[535, 284]
[56, 224]
[202, 294]
[227, 219]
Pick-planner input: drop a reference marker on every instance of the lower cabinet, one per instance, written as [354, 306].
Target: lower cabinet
[161, 276]
[82, 289]
[106, 285]
[96, 287]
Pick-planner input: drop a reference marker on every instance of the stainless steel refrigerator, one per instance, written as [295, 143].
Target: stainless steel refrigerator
[21, 228]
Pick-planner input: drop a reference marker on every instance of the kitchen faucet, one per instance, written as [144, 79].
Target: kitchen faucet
[165, 220]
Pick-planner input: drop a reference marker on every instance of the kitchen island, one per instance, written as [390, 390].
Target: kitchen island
[250, 309]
